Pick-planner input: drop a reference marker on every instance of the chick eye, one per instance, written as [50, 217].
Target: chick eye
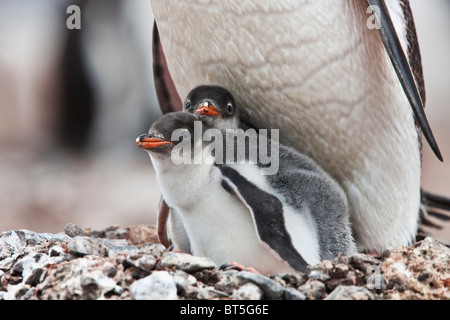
[188, 104]
[230, 108]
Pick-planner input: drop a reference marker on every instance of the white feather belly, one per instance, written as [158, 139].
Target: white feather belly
[218, 224]
[313, 69]
[299, 225]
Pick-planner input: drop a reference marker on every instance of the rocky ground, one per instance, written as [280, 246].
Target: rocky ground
[129, 263]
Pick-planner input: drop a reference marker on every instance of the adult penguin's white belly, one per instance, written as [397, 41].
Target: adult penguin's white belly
[314, 70]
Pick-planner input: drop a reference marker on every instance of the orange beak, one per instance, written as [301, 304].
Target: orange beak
[208, 110]
[147, 141]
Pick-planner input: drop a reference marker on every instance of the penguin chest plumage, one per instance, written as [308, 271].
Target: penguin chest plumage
[220, 226]
[299, 225]
[319, 74]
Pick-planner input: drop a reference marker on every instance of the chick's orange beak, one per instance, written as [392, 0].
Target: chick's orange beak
[208, 110]
[147, 141]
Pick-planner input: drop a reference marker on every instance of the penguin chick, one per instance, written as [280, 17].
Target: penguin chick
[277, 223]
[215, 105]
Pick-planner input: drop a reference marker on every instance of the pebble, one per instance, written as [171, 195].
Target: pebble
[183, 279]
[350, 293]
[313, 290]
[228, 282]
[272, 290]
[319, 275]
[72, 230]
[160, 285]
[248, 291]
[292, 294]
[35, 277]
[115, 250]
[141, 261]
[95, 284]
[109, 265]
[86, 246]
[186, 262]
[12, 242]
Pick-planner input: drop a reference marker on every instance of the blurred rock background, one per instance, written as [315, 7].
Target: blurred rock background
[72, 103]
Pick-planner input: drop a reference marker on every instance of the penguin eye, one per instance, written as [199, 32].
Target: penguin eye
[230, 108]
[188, 104]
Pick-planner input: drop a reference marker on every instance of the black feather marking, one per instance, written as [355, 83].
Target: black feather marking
[168, 98]
[267, 211]
[403, 70]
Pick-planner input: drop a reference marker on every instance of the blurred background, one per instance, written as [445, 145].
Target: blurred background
[72, 103]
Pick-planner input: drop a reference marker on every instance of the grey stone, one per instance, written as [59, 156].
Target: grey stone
[228, 282]
[86, 277]
[13, 242]
[186, 262]
[188, 287]
[28, 294]
[56, 251]
[35, 277]
[30, 238]
[118, 233]
[313, 289]
[292, 294]
[155, 249]
[340, 270]
[319, 275]
[72, 230]
[294, 279]
[112, 243]
[56, 237]
[160, 285]
[248, 291]
[10, 243]
[86, 246]
[115, 250]
[6, 263]
[23, 266]
[207, 276]
[271, 288]
[183, 279]
[95, 285]
[216, 294]
[361, 261]
[350, 293]
[141, 261]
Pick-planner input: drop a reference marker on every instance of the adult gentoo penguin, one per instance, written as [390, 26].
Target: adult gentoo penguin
[343, 85]
[233, 212]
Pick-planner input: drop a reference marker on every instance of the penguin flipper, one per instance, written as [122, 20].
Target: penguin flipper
[267, 214]
[403, 70]
[168, 98]
[161, 222]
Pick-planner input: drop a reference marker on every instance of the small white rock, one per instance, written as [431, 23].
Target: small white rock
[248, 291]
[186, 262]
[160, 285]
